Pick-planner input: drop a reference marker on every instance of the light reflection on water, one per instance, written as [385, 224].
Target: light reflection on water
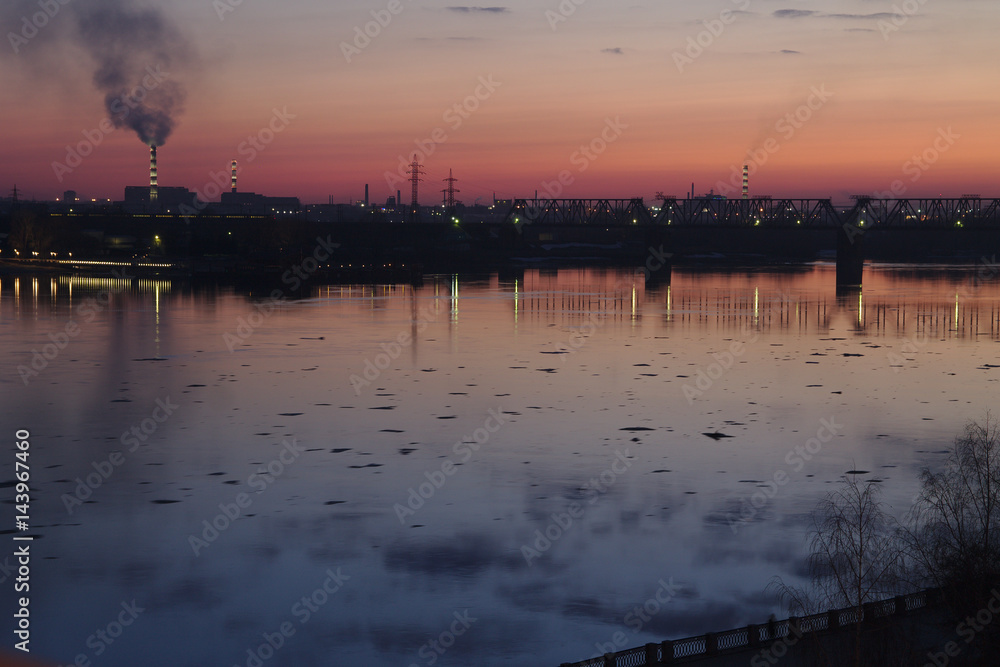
[589, 365]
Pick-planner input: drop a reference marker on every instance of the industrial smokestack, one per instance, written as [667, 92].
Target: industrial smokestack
[746, 181]
[234, 176]
[153, 190]
[366, 195]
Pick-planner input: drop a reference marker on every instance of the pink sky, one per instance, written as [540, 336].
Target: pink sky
[885, 98]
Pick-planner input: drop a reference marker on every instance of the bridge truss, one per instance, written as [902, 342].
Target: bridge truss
[592, 212]
[927, 213]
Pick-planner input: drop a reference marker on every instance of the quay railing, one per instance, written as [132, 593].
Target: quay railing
[673, 650]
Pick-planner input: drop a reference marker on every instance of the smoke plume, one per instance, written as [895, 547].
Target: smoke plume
[136, 54]
[134, 50]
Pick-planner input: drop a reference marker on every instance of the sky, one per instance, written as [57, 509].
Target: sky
[573, 98]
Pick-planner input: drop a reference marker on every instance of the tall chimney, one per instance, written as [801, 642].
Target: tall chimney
[153, 190]
[366, 195]
[746, 181]
[234, 176]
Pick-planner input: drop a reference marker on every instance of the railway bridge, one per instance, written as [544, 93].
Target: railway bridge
[850, 222]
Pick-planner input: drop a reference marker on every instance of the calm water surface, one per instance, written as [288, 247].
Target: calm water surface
[525, 451]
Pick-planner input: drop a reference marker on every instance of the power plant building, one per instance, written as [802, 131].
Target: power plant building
[168, 200]
[251, 203]
[159, 200]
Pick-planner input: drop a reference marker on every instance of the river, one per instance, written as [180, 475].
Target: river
[476, 470]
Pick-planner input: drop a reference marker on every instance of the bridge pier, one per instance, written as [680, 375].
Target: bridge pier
[659, 256]
[658, 278]
[850, 254]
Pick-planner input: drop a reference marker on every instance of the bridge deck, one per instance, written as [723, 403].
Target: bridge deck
[927, 213]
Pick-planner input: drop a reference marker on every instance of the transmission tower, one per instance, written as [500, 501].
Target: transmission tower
[450, 191]
[415, 172]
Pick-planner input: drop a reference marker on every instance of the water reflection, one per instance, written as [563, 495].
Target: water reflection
[805, 301]
[589, 364]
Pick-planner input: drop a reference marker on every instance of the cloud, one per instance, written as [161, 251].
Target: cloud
[809, 13]
[479, 10]
[865, 17]
[790, 51]
[450, 39]
[616, 51]
[794, 13]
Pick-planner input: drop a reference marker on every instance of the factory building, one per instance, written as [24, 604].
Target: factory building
[167, 200]
[235, 202]
[251, 203]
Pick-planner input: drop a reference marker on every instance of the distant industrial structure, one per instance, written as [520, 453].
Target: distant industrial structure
[154, 199]
[449, 192]
[158, 200]
[251, 203]
[153, 191]
[416, 170]
[969, 211]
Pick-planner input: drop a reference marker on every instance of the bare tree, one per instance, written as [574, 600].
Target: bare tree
[855, 555]
[950, 540]
[29, 232]
[854, 558]
[956, 519]
[954, 530]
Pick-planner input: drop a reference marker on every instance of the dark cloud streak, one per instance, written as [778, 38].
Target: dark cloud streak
[479, 10]
[794, 13]
[810, 13]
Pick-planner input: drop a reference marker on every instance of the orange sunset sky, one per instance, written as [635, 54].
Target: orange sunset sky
[899, 80]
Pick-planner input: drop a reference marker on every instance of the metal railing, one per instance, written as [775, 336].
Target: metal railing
[867, 212]
[712, 643]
